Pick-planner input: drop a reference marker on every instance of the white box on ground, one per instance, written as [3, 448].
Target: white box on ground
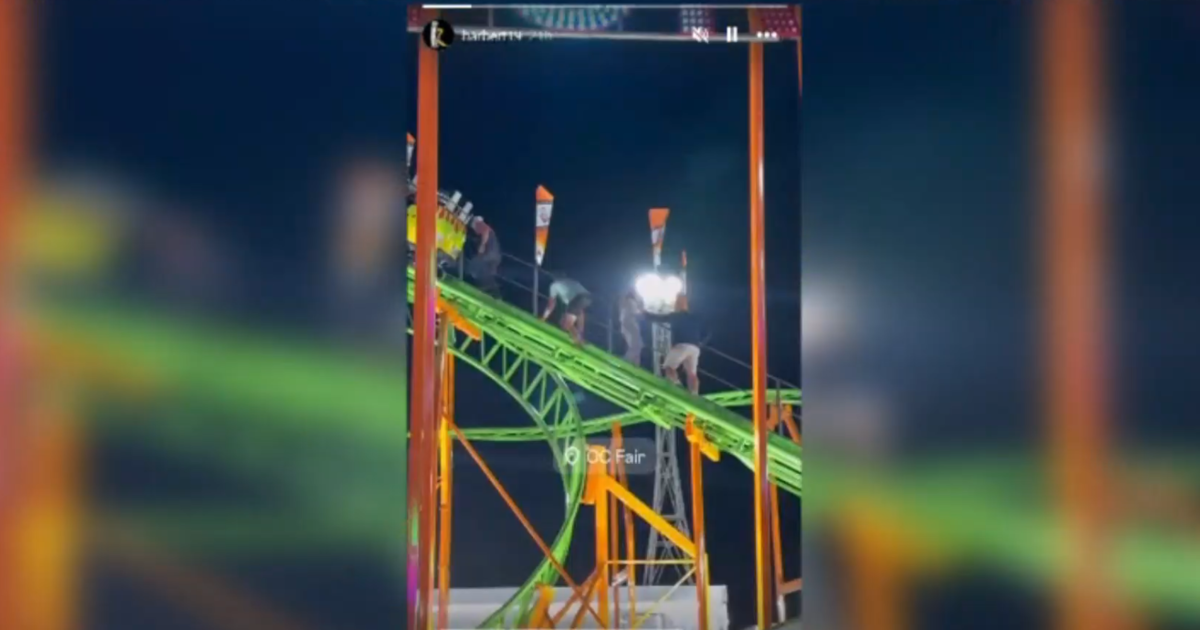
[470, 606]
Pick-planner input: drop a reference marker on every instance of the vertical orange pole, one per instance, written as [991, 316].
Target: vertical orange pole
[876, 576]
[602, 567]
[758, 328]
[698, 533]
[630, 551]
[446, 456]
[429, 519]
[614, 529]
[424, 404]
[1075, 260]
[14, 128]
[47, 534]
[14, 93]
[777, 545]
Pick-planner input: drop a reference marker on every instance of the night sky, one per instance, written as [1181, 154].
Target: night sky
[916, 150]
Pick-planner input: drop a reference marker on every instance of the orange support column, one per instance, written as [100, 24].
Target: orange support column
[758, 326]
[47, 531]
[774, 416]
[876, 574]
[446, 464]
[422, 469]
[14, 124]
[627, 515]
[614, 532]
[698, 447]
[602, 556]
[14, 129]
[1075, 267]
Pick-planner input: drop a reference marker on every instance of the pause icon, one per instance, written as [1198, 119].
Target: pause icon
[731, 33]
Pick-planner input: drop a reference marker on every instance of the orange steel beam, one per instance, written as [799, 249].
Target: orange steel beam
[791, 586]
[424, 403]
[614, 533]
[774, 417]
[46, 536]
[627, 515]
[876, 577]
[781, 414]
[697, 442]
[446, 459]
[1075, 271]
[447, 310]
[14, 128]
[777, 546]
[602, 560]
[600, 488]
[588, 585]
[14, 124]
[577, 620]
[540, 618]
[758, 327]
[609, 485]
[512, 505]
[429, 519]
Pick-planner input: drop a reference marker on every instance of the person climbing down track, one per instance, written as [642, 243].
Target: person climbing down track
[486, 263]
[572, 300]
[688, 334]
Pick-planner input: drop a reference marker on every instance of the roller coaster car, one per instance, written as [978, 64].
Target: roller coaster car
[451, 227]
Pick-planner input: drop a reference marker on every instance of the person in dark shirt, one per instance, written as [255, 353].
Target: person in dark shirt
[486, 263]
[688, 334]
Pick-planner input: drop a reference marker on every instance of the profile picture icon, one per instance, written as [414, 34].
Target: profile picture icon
[438, 34]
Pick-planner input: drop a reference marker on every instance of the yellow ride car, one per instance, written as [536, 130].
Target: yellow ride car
[451, 232]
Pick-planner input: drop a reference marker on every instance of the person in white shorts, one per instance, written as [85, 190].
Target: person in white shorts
[688, 333]
[684, 355]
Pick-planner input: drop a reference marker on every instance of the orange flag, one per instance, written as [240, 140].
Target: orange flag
[545, 205]
[658, 227]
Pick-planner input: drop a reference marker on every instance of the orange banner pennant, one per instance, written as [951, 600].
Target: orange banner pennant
[545, 206]
[658, 228]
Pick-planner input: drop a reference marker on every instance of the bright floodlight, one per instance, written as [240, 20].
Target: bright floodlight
[658, 292]
[649, 286]
[672, 286]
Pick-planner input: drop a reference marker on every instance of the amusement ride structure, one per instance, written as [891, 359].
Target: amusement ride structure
[117, 354]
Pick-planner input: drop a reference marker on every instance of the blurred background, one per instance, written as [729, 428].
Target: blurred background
[941, 488]
[202, 239]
